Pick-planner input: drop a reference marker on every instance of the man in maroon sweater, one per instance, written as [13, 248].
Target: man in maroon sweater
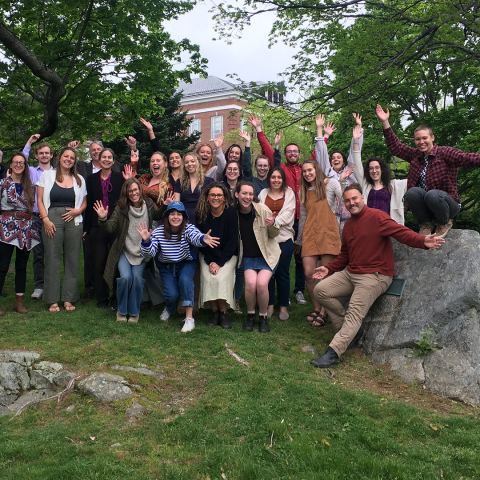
[364, 269]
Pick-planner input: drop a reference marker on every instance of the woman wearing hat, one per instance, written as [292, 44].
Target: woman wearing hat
[170, 245]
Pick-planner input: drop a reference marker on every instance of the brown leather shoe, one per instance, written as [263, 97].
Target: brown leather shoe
[442, 230]
[18, 305]
[426, 229]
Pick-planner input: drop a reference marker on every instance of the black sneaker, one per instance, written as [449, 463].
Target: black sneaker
[214, 320]
[114, 303]
[103, 304]
[249, 322]
[263, 326]
[224, 321]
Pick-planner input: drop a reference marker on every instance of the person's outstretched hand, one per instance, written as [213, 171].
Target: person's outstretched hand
[431, 241]
[144, 232]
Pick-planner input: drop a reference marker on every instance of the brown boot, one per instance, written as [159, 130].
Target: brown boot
[18, 305]
[442, 230]
[426, 228]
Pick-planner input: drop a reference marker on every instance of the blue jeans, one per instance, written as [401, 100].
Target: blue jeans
[239, 281]
[129, 287]
[299, 274]
[281, 276]
[177, 279]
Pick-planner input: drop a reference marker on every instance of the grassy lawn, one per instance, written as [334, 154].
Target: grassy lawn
[212, 418]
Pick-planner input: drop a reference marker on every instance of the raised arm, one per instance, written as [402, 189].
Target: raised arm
[357, 157]
[221, 161]
[357, 142]
[277, 154]
[247, 171]
[267, 150]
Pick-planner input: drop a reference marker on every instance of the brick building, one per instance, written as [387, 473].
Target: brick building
[214, 104]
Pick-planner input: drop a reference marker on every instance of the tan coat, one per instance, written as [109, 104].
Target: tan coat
[265, 236]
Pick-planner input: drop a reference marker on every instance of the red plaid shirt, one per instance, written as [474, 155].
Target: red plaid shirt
[443, 164]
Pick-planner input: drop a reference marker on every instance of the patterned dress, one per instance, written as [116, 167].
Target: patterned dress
[16, 231]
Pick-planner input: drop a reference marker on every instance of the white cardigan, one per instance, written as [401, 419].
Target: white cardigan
[47, 181]
[285, 217]
[398, 188]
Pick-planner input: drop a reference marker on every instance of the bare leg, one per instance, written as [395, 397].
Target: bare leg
[309, 266]
[251, 289]
[188, 312]
[214, 305]
[263, 277]
[222, 304]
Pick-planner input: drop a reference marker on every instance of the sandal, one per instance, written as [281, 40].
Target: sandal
[54, 307]
[320, 321]
[312, 316]
[68, 306]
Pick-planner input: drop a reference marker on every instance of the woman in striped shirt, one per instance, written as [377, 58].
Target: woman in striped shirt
[170, 244]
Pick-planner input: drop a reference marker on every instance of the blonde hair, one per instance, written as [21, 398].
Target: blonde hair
[184, 175]
[213, 161]
[163, 185]
[318, 183]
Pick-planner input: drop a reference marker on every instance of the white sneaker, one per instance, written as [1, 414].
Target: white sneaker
[300, 298]
[189, 325]
[165, 316]
[237, 308]
[37, 294]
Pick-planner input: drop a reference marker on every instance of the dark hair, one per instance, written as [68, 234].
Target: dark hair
[106, 150]
[423, 127]
[203, 207]
[282, 173]
[229, 162]
[345, 161]
[261, 157]
[385, 177]
[124, 200]
[290, 144]
[167, 229]
[25, 181]
[353, 186]
[239, 186]
[227, 153]
[73, 170]
[171, 153]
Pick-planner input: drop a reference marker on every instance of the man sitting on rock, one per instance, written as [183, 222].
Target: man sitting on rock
[367, 254]
[432, 176]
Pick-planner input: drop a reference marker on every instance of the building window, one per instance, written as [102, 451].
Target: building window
[216, 126]
[194, 126]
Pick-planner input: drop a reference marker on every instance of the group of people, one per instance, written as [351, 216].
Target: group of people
[200, 228]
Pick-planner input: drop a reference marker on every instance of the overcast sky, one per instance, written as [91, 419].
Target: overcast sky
[249, 57]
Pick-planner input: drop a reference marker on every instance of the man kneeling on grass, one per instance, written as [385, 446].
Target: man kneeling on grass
[367, 254]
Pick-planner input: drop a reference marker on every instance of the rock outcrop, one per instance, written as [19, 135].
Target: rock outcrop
[442, 293]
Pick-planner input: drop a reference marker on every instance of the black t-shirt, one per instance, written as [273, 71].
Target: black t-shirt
[62, 197]
[249, 242]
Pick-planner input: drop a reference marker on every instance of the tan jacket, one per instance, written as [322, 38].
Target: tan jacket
[265, 236]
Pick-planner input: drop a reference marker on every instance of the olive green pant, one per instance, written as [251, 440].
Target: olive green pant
[67, 240]
[364, 290]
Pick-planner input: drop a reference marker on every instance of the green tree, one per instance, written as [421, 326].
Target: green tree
[79, 66]
[170, 128]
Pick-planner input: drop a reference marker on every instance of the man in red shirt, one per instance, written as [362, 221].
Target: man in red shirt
[432, 177]
[364, 269]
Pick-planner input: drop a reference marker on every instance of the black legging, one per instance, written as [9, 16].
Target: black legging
[21, 260]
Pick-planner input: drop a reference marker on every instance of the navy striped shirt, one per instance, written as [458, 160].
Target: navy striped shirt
[174, 250]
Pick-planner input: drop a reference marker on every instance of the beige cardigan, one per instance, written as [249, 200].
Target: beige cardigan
[265, 236]
[398, 188]
[286, 215]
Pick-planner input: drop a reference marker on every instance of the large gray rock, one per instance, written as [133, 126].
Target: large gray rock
[19, 356]
[442, 292]
[14, 377]
[31, 396]
[106, 387]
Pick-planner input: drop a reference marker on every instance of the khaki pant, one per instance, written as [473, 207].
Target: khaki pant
[364, 290]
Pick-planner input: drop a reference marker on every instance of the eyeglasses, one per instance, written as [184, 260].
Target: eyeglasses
[215, 195]
[234, 170]
[18, 164]
[133, 191]
[374, 169]
[291, 151]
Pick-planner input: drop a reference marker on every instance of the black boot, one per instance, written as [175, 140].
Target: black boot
[249, 322]
[224, 321]
[328, 359]
[214, 320]
[263, 326]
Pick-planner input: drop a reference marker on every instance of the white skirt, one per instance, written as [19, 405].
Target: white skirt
[217, 287]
